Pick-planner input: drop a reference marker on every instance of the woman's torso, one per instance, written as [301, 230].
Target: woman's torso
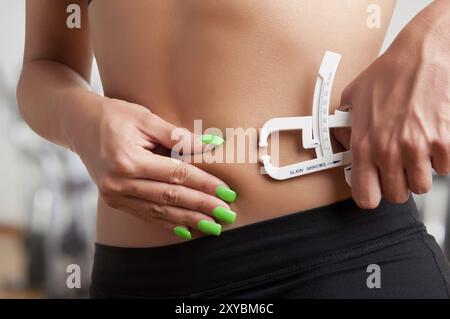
[232, 64]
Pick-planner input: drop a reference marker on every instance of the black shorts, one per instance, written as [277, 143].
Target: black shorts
[335, 251]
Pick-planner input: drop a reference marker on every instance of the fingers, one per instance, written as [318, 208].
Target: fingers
[177, 139]
[419, 172]
[388, 168]
[394, 184]
[170, 182]
[172, 195]
[365, 181]
[416, 160]
[440, 156]
[419, 176]
[171, 171]
[346, 102]
[152, 212]
[170, 227]
[366, 189]
[343, 136]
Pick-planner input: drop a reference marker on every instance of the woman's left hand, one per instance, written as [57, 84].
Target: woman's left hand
[401, 116]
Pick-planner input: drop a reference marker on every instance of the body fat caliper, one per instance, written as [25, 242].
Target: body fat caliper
[315, 130]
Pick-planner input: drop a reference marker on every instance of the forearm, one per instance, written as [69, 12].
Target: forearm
[54, 100]
[428, 30]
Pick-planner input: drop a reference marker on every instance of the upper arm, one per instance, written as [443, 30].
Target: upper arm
[49, 38]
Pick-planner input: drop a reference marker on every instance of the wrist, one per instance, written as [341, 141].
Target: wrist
[431, 24]
[425, 38]
[436, 13]
[80, 115]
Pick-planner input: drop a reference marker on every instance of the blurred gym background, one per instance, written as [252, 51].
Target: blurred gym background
[48, 203]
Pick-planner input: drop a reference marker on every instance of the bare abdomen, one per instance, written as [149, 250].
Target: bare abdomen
[231, 64]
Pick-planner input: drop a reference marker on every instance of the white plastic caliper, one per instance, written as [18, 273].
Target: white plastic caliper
[315, 130]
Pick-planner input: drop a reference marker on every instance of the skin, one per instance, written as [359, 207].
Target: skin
[215, 61]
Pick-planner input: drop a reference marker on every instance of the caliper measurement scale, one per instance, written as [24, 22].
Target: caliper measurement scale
[315, 130]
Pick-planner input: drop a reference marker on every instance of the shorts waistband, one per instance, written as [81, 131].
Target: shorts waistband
[283, 244]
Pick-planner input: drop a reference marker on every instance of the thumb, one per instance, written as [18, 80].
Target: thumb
[177, 139]
[343, 134]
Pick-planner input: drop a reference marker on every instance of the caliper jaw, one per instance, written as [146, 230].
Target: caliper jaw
[315, 130]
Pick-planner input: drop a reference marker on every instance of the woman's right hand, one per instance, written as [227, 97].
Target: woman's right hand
[117, 146]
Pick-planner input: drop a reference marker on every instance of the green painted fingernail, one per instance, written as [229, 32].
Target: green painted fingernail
[182, 232]
[224, 214]
[226, 194]
[212, 139]
[210, 228]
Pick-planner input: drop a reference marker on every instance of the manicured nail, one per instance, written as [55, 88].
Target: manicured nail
[212, 139]
[182, 232]
[224, 214]
[226, 194]
[210, 228]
